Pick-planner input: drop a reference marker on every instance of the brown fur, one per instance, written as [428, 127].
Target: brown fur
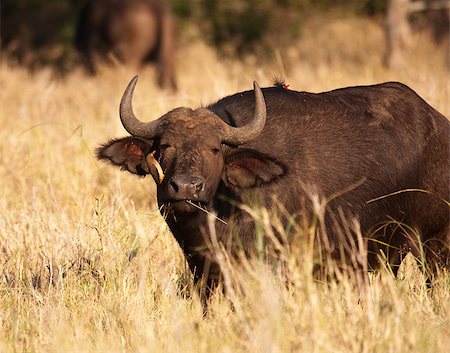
[367, 144]
[133, 32]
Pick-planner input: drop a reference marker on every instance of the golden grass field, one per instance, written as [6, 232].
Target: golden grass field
[87, 264]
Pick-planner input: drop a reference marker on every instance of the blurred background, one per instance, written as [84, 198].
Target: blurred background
[42, 33]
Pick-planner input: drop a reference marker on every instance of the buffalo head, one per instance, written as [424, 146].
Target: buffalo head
[189, 152]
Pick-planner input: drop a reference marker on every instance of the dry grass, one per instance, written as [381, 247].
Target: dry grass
[88, 265]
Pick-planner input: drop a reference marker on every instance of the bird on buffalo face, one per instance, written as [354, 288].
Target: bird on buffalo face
[381, 150]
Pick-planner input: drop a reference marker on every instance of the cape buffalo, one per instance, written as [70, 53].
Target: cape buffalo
[381, 150]
[131, 31]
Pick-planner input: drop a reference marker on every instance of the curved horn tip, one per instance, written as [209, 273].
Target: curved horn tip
[132, 83]
[129, 121]
[255, 85]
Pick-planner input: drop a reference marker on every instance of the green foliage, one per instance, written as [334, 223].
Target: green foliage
[375, 7]
[243, 25]
[36, 32]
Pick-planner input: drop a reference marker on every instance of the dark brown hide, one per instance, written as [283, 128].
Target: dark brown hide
[369, 141]
[133, 32]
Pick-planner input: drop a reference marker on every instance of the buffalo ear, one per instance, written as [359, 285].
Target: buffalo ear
[128, 153]
[245, 168]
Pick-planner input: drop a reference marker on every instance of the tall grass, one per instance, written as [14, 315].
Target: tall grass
[88, 265]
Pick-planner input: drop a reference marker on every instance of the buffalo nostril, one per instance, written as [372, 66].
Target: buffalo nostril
[185, 186]
[198, 185]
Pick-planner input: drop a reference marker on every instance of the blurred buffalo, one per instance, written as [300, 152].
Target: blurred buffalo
[133, 32]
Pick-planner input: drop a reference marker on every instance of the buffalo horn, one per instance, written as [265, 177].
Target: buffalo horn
[240, 135]
[129, 121]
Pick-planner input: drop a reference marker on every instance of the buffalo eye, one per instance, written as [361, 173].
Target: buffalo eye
[164, 146]
[215, 150]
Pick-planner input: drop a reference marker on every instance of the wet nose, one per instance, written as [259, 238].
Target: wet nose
[187, 186]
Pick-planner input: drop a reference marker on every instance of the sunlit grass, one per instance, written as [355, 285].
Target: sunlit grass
[88, 265]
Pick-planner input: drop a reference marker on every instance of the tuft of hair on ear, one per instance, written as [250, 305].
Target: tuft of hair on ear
[100, 151]
[279, 82]
[125, 153]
